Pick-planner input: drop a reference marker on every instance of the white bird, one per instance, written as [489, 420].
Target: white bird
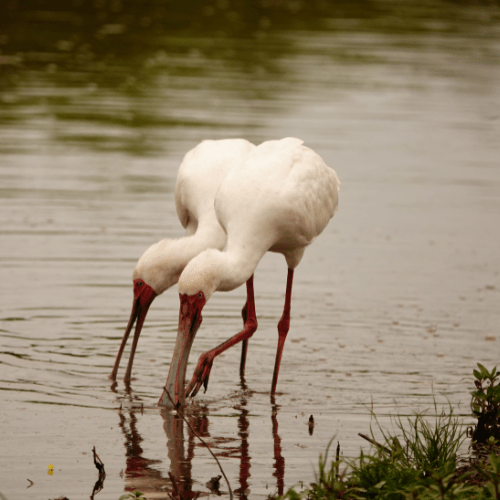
[279, 199]
[200, 174]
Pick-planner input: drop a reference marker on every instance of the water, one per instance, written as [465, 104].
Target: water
[392, 305]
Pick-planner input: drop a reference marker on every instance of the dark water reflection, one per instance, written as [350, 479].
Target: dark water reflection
[132, 77]
[392, 305]
[114, 76]
[148, 476]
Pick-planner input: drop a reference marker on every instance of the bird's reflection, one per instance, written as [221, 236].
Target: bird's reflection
[279, 461]
[240, 449]
[180, 464]
[150, 476]
[141, 474]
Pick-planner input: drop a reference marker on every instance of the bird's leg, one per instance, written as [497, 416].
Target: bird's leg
[202, 370]
[283, 327]
[244, 344]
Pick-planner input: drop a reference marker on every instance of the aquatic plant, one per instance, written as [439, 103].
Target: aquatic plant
[485, 405]
[132, 495]
[420, 460]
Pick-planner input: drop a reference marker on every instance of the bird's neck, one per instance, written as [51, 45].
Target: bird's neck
[239, 260]
[189, 247]
[213, 270]
[186, 248]
[162, 264]
[236, 270]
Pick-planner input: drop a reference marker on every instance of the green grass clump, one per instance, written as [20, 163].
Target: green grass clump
[423, 467]
[420, 461]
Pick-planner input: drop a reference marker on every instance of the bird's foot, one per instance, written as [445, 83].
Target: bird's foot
[201, 374]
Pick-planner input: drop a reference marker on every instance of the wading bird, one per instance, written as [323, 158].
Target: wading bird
[200, 174]
[279, 199]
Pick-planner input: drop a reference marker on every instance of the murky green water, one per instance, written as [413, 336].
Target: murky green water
[394, 303]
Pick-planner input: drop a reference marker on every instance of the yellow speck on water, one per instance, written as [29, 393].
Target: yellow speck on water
[51, 470]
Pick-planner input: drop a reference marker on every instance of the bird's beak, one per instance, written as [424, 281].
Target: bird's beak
[140, 309]
[190, 319]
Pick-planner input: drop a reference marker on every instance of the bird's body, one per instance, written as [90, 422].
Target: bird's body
[279, 199]
[199, 177]
[198, 180]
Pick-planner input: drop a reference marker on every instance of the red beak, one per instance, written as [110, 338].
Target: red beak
[143, 298]
[190, 319]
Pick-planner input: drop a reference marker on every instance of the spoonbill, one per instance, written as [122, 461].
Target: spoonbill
[279, 199]
[198, 179]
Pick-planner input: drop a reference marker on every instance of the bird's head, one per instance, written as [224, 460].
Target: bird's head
[143, 297]
[190, 319]
[159, 266]
[143, 294]
[153, 274]
[196, 285]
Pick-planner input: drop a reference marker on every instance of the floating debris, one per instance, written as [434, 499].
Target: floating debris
[311, 425]
[214, 484]
[102, 474]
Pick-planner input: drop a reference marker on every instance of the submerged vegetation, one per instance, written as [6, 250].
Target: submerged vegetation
[421, 460]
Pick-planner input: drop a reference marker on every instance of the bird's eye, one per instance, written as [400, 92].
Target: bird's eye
[200, 295]
[140, 283]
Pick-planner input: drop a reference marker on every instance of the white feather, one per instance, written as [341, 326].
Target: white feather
[279, 199]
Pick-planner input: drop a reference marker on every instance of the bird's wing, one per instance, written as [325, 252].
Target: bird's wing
[310, 192]
[283, 195]
[200, 175]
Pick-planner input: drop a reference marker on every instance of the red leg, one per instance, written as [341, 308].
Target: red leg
[202, 371]
[283, 327]
[244, 344]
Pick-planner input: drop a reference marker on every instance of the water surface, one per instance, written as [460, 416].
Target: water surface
[392, 305]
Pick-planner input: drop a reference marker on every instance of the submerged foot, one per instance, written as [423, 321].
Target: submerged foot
[201, 374]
